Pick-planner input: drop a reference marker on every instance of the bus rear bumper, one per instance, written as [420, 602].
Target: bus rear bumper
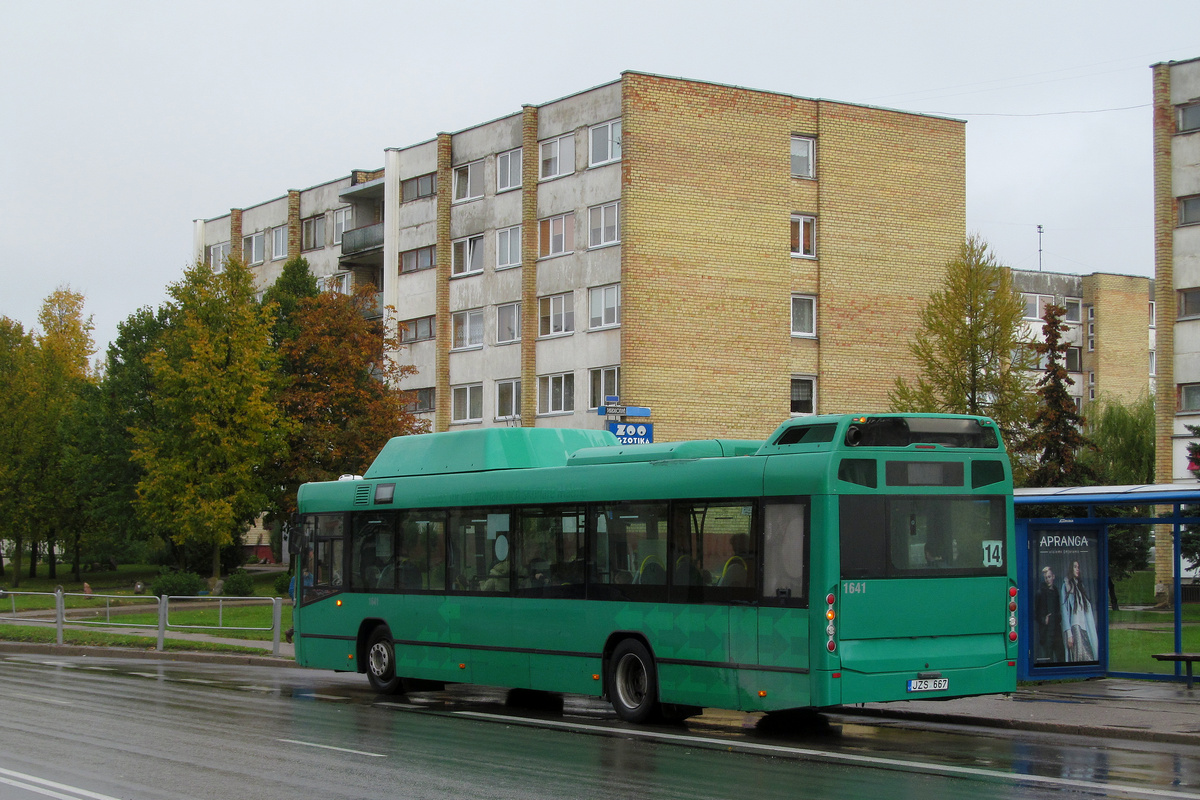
[862, 687]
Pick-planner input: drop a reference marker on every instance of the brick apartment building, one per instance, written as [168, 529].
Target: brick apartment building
[722, 255]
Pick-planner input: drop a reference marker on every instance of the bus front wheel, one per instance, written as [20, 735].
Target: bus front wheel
[381, 662]
[632, 687]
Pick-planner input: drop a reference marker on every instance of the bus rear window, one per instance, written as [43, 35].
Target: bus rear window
[922, 536]
[905, 431]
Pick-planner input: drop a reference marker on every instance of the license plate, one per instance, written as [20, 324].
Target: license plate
[929, 685]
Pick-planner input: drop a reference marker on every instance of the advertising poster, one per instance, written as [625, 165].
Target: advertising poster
[1065, 574]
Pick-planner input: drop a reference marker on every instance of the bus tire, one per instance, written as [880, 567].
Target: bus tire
[632, 685]
[381, 662]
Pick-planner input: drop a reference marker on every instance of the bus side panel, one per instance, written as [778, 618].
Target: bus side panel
[783, 641]
[499, 654]
[567, 640]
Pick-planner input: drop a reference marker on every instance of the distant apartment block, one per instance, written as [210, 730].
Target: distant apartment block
[1177, 261]
[724, 256]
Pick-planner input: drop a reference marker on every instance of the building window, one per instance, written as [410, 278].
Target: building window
[556, 314]
[218, 254]
[508, 170]
[557, 157]
[312, 233]
[508, 247]
[467, 256]
[342, 220]
[1074, 359]
[1189, 118]
[1189, 210]
[1189, 397]
[1152, 322]
[803, 160]
[416, 188]
[1189, 303]
[1073, 307]
[1091, 386]
[424, 402]
[556, 393]
[279, 242]
[1153, 363]
[508, 399]
[804, 236]
[468, 182]
[605, 303]
[467, 405]
[421, 258]
[1036, 304]
[508, 323]
[804, 315]
[605, 143]
[418, 330]
[338, 282]
[605, 382]
[804, 395]
[252, 248]
[604, 226]
[468, 329]
[556, 235]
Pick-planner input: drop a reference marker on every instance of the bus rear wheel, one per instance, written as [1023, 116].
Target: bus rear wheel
[381, 662]
[632, 686]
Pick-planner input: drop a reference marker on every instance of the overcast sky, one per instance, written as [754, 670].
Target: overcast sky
[121, 122]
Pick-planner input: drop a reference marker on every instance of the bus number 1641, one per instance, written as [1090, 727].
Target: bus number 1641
[854, 587]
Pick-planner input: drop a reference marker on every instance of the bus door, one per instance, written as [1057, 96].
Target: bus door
[783, 627]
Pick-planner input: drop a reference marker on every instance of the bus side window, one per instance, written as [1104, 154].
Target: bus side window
[372, 545]
[473, 559]
[713, 550]
[422, 552]
[550, 562]
[629, 549]
[785, 551]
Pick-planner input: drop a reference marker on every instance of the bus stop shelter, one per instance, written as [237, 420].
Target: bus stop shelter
[1062, 542]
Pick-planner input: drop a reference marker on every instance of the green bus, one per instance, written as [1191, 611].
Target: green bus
[845, 559]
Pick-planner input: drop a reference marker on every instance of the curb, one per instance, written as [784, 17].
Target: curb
[20, 648]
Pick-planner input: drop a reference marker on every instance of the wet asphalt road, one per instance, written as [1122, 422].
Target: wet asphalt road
[79, 727]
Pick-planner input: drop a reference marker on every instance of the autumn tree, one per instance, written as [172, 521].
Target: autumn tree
[215, 424]
[19, 443]
[341, 392]
[969, 345]
[1055, 439]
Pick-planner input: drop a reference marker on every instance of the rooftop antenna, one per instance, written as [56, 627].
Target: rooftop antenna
[1039, 248]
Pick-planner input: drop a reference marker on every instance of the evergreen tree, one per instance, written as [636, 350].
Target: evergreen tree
[215, 423]
[294, 285]
[969, 345]
[1055, 439]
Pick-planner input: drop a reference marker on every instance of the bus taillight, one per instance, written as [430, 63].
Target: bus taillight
[830, 614]
[1012, 613]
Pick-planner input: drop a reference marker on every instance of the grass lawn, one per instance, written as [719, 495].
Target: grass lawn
[99, 638]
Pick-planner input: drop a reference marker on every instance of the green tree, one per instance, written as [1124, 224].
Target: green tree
[969, 345]
[19, 442]
[215, 424]
[294, 285]
[1055, 439]
[1123, 435]
[340, 392]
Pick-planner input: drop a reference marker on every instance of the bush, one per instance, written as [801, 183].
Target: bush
[282, 581]
[177, 584]
[238, 584]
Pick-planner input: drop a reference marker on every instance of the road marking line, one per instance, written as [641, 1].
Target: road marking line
[877, 761]
[386, 704]
[54, 700]
[146, 674]
[47, 788]
[331, 747]
[316, 696]
[196, 680]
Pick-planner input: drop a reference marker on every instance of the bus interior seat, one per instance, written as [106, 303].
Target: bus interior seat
[652, 571]
[735, 573]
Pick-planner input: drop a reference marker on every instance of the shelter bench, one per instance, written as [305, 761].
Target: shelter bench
[1186, 658]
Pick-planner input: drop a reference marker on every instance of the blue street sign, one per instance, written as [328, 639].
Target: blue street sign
[632, 432]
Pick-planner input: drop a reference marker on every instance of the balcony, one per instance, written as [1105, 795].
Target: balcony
[360, 240]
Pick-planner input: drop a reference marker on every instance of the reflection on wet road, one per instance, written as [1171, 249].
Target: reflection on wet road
[152, 730]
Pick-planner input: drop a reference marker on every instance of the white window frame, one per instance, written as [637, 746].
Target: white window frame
[312, 233]
[508, 247]
[804, 163]
[604, 224]
[462, 398]
[253, 247]
[217, 256]
[466, 329]
[466, 256]
[468, 182]
[799, 330]
[812, 381]
[559, 151]
[508, 171]
[1153, 322]
[603, 382]
[279, 242]
[343, 218]
[513, 402]
[512, 310]
[1153, 363]
[337, 282]
[556, 393]
[556, 315]
[607, 301]
[560, 226]
[799, 224]
[605, 137]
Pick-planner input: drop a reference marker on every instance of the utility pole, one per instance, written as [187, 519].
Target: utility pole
[1039, 248]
